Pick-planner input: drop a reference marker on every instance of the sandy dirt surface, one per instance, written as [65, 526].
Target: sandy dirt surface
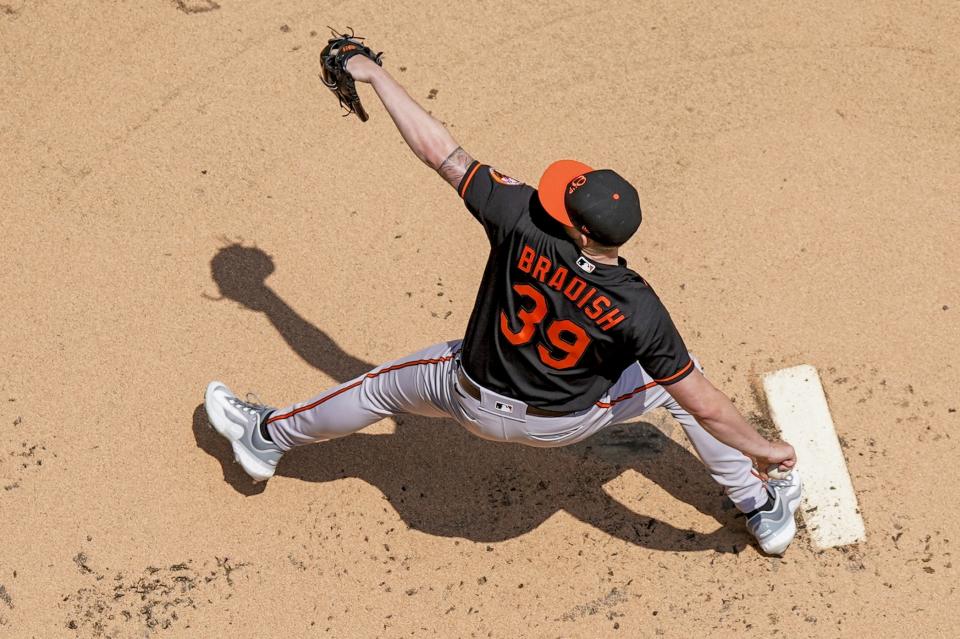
[181, 202]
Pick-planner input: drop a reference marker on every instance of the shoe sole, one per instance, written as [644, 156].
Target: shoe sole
[778, 544]
[233, 432]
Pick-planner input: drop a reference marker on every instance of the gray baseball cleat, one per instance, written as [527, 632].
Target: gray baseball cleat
[239, 422]
[775, 528]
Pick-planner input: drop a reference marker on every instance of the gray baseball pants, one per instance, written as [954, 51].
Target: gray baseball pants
[426, 383]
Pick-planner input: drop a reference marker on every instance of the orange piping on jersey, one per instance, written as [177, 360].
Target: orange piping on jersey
[466, 181]
[312, 405]
[639, 389]
[677, 374]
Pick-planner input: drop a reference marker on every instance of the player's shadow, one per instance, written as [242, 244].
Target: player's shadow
[444, 481]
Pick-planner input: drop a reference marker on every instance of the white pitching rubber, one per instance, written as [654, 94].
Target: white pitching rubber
[798, 407]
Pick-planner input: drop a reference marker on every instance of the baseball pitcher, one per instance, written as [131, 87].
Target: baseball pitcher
[564, 339]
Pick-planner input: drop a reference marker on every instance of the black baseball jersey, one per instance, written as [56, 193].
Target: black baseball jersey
[550, 327]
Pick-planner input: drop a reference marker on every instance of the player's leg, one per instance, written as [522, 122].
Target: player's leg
[728, 466]
[259, 435]
[635, 393]
[770, 508]
[417, 384]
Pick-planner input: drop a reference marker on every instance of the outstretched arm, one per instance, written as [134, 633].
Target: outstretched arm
[719, 417]
[426, 137]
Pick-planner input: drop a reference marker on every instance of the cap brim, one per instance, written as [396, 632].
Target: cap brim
[554, 183]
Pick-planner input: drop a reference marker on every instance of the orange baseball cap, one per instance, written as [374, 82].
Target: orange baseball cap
[553, 187]
[598, 202]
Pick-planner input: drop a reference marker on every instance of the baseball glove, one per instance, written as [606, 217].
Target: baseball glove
[333, 62]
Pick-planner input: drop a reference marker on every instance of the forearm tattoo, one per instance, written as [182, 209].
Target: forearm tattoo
[455, 166]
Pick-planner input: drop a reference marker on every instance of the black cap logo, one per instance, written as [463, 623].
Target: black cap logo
[576, 183]
[604, 206]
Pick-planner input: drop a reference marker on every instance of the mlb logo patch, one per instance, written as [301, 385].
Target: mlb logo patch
[504, 408]
[585, 264]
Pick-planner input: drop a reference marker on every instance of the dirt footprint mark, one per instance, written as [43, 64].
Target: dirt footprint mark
[7, 599]
[20, 462]
[141, 604]
[609, 601]
[197, 6]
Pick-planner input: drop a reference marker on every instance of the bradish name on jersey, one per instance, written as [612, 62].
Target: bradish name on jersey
[574, 288]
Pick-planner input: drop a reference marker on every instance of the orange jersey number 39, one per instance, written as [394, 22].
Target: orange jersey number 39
[564, 337]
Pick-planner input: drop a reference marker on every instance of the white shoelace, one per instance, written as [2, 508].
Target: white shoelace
[780, 483]
[248, 406]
